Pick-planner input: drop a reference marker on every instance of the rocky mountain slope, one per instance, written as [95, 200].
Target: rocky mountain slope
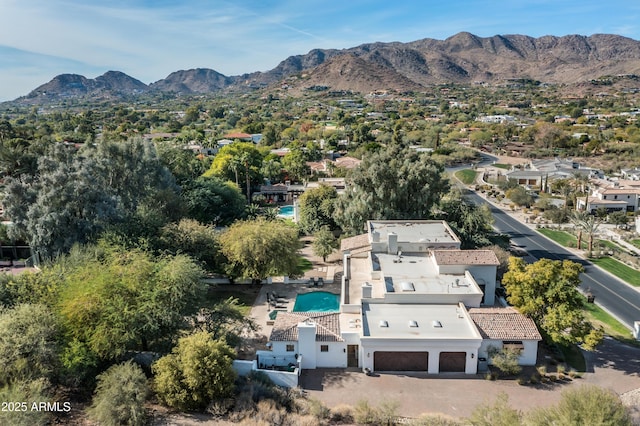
[462, 58]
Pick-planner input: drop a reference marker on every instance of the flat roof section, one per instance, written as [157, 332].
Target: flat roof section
[421, 272]
[416, 321]
[414, 231]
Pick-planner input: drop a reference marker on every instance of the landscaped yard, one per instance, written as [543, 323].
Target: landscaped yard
[245, 293]
[612, 327]
[619, 269]
[466, 176]
[635, 243]
[502, 166]
[563, 238]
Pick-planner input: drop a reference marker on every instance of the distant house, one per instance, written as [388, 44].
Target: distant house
[611, 199]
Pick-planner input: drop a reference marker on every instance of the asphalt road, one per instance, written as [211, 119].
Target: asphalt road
[615, 296]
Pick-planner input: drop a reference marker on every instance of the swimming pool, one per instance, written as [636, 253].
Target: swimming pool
[317, 301]
[286, 212]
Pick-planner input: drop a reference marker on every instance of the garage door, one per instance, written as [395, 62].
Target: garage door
[401, 361]
[453, 362]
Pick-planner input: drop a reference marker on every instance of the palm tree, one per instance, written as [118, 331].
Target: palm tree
[589, 224]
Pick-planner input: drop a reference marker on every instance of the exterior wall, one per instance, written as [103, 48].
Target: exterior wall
[336, 357]
[369, 346]
[283, 378]
[529, 355]
[471, 300]
[486, 274]
[280, 378]
[307, 344]
[280, 348]
[243, 368]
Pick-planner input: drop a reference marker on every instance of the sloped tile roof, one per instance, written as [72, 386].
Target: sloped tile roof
[504, 324]
[465, 257]
[285, 328]
[354, 243]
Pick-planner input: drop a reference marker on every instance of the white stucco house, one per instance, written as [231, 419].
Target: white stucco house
[410, 300]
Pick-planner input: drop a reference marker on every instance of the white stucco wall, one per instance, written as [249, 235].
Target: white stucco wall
[529, 355]
[336, 357]
[486, 273]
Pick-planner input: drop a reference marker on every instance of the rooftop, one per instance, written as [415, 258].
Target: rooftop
[407, 321]
[285, 327]
[414, 231]
[465, 257]
[422, 273]
[504, 324]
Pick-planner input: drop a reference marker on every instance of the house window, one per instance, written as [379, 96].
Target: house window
[290, 348]
[514, 345]
[324, 348]
[615, 197]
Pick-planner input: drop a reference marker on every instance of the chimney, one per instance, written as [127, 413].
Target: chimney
[366, 290]
[307, 343]
[392, 241]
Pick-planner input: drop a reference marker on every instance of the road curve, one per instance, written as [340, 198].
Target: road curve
[616, 297]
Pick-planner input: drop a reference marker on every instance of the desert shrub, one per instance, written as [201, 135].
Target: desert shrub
[435, 420]
[28, 343]
[342, 413]
[120, 395]
[197, 371]
[497, 414]
[364, 413]
[19, 391]
[542, 370]
[385, 414]
[586, 405]
[506, 360]
[317, 409]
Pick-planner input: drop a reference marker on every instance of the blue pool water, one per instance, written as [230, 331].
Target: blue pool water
[286, 211]
[317, 301]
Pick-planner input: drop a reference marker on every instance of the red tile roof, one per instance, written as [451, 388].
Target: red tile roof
[285, 327]
[465, 257]
[504, 324]
[359, 242]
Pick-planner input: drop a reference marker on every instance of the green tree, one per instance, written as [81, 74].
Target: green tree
[127, 300]
[120, 395]
[589, 224]
[194, 239]
[198, 370]
[316, 209]
[295, 163]
[213, 201]
[585, 405]
[618, 218]
[259, 248]
[471, 222]
[76, 194]
[238, 158]
[547, 292]
[324, 243]
[519, 196]
[28, 343]
[392, 184]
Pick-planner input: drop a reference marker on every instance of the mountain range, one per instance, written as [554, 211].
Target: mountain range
[414, 66]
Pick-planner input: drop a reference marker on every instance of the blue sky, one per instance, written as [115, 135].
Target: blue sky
[149, 39]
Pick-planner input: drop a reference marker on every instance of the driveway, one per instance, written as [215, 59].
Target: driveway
[614, 366]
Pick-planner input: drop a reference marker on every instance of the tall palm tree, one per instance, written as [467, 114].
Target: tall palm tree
[589, 224]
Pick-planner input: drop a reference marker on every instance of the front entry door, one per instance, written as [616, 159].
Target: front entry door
[352, 355]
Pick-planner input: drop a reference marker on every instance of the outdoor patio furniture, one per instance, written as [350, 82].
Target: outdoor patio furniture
[320, 282]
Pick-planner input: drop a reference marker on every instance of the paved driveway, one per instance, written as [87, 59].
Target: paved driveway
[614, 366]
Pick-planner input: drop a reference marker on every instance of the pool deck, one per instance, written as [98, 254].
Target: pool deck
[260, 310]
